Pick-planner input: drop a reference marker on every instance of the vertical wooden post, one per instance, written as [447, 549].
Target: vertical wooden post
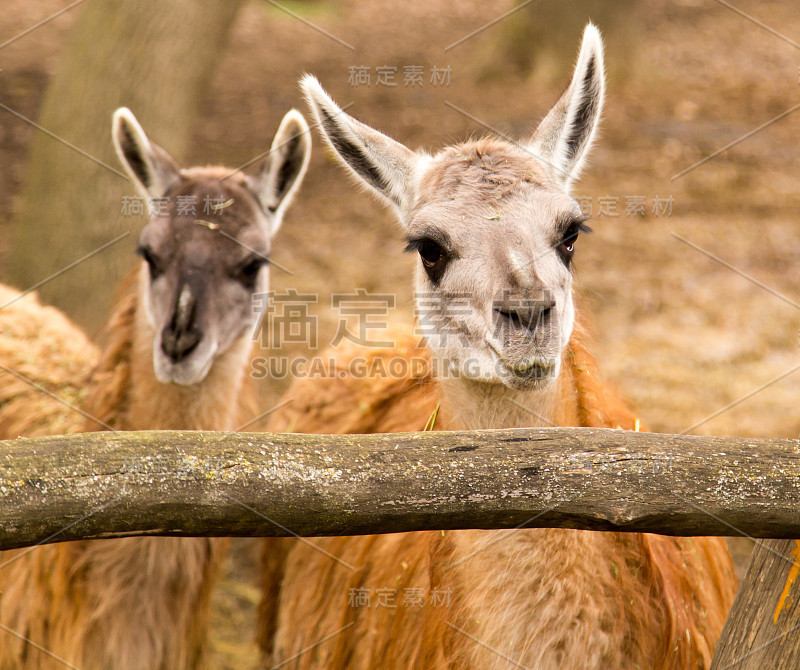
[763, 629]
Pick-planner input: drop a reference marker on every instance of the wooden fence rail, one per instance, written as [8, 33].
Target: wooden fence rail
[99, 485]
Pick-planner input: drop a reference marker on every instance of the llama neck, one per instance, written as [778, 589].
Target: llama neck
[210, 405]
[472, 405]
[126, 395]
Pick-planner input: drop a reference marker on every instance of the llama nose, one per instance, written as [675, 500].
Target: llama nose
[182, 334]
[524, 314]
[177, 344]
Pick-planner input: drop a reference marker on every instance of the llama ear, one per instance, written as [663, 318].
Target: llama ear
[563, 138]
[280, 174]
[151, 168]
[380, 162]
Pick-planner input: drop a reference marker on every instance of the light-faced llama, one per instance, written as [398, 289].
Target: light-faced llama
[494, 227]
[179, 347]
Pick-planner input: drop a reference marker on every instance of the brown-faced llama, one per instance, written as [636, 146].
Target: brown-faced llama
[177, 357]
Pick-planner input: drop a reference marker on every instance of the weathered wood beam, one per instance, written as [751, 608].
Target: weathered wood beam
[102, 485]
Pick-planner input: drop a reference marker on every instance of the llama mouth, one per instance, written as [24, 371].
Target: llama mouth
[189, 372]
[532, 371]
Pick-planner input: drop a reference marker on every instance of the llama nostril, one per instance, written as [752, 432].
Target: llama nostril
[529, 318]
[517, 319]
[177, 345]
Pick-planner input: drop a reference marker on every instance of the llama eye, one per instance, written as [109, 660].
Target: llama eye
[430, 253]
[152, 261]
[434, 256]
[566, 247]
[248, 273]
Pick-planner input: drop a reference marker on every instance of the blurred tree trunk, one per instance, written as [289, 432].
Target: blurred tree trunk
[153, 56]
[546, 33]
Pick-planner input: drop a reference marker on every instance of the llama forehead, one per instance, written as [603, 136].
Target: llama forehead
[211, 215]
[217, 196]
[490, 192]
[482, 169]
[526, 218]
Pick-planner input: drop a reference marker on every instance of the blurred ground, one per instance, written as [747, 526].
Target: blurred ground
[680, 334]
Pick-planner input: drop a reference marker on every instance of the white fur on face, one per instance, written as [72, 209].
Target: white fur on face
[501, 258]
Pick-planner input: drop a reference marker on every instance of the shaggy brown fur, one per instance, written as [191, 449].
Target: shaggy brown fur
[137, 603]
[42, 346]
[545, 598]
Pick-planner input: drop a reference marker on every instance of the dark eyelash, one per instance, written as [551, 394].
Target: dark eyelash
[152, 261]
[578, 226]
[146, 253]
[573, 230]
[255, 258]
[252, 265]
[414, 244]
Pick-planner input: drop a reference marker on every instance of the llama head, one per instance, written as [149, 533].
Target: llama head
[205, 249]
[493, 224]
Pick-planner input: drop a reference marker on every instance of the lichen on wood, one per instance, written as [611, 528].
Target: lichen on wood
[115, 484]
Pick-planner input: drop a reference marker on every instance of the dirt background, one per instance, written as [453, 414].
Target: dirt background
[680, 334]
